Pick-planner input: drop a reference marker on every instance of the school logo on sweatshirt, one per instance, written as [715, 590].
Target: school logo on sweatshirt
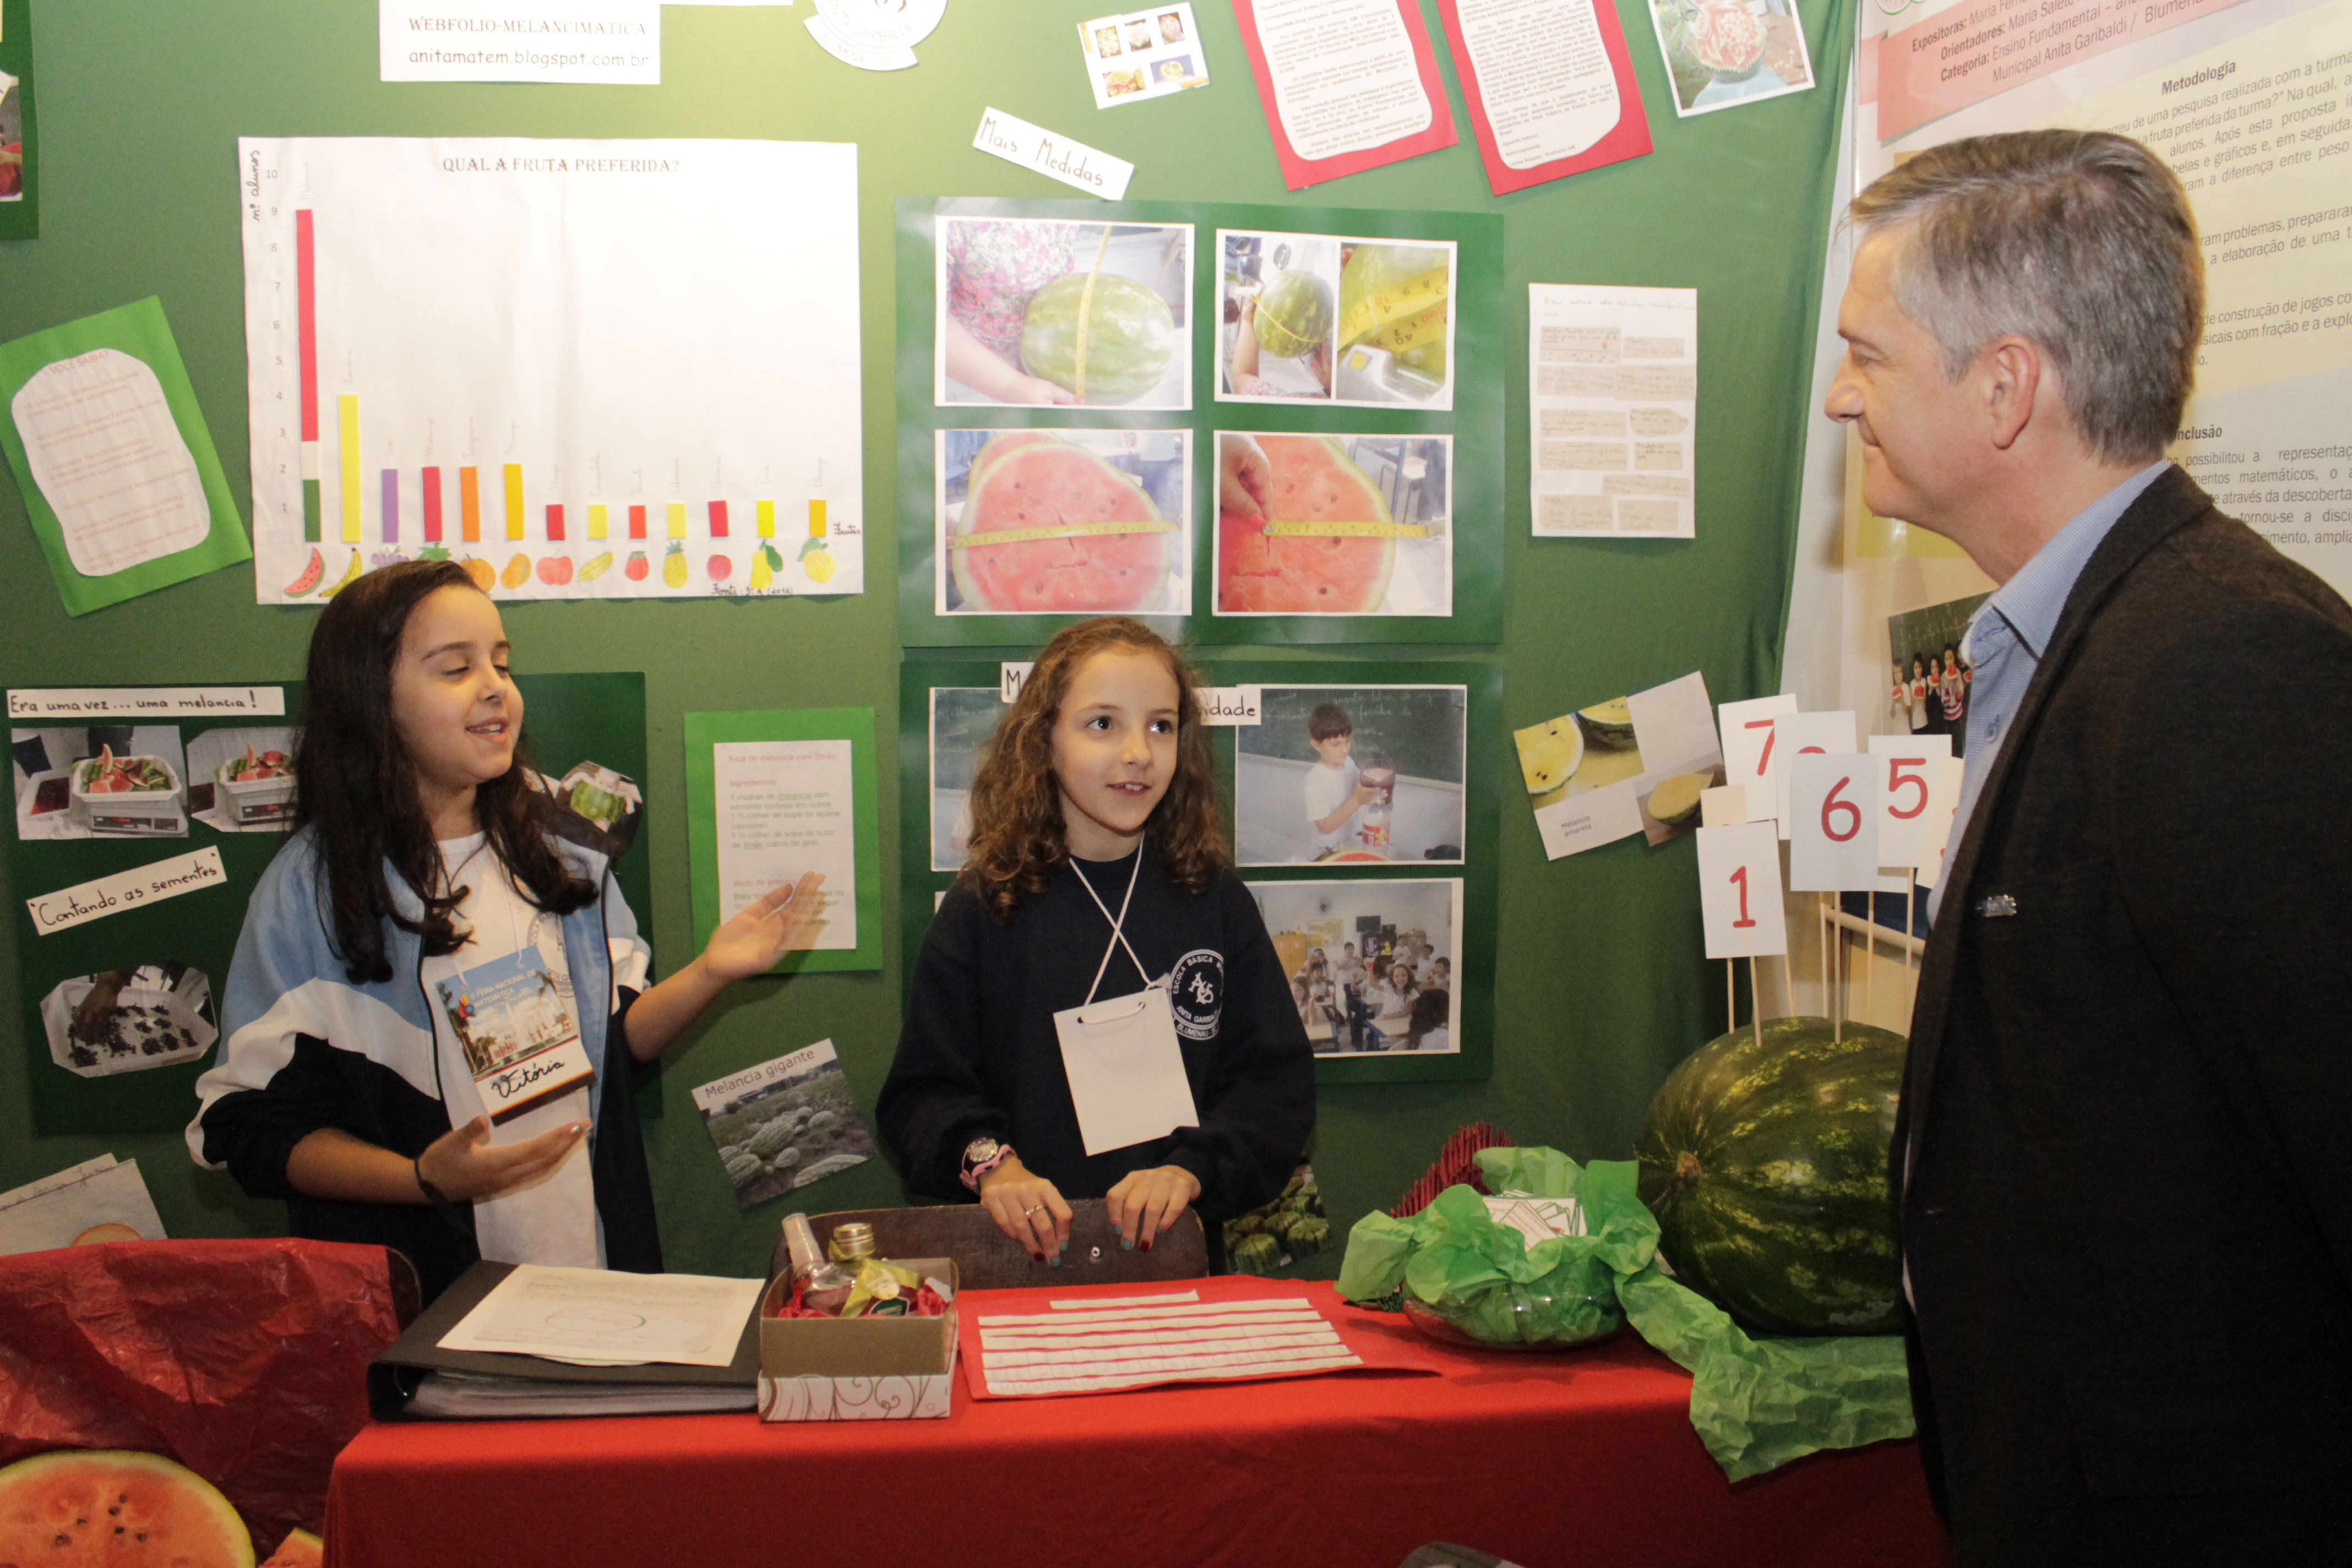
[1196, 993]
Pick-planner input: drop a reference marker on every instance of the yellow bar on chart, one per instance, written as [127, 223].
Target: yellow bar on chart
[816, 518]
[596, 520]
[677, 520]
[350, 446]
[766, 519]
[514, 501]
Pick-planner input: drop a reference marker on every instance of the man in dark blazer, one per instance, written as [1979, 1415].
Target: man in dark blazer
[2124, 1160]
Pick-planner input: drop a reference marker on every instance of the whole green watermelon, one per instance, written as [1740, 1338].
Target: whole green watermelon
[1293, 315]
[1765, 1165]
[1130, 336]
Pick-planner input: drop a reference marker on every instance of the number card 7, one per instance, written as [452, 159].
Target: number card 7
[1832, 822]
[1747, 730]
[1909, 768]
[1739, 891]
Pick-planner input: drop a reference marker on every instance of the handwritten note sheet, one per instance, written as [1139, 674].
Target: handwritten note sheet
[785, 808]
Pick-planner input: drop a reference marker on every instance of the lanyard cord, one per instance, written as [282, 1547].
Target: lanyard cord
[1117, 934]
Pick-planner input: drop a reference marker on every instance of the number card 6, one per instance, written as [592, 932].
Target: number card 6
[1832, 822]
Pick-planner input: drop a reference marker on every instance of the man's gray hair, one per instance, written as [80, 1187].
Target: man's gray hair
[2079, 241]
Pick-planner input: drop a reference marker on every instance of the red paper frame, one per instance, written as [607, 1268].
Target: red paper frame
[1629, 138]
[1299, 172]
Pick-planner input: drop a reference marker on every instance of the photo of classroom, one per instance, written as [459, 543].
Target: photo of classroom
[1371, 964]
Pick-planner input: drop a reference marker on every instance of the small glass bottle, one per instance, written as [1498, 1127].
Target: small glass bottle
[825, 1284]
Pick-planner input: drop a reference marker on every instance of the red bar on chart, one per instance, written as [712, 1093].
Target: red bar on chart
[637, 522]
[469, 504]
[306, 308]
[555, 523]
[432, 506]
[392, 506]
[718, 519]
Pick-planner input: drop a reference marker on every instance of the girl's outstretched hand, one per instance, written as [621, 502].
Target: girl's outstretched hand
[1027, 1207]
[766, 929]
[467, 1166]
[1147, 1203]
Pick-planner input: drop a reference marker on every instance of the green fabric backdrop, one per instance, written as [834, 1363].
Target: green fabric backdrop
[1599, 982]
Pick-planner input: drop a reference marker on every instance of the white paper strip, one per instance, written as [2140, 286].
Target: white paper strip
[520, 40]
[149, 884]
[145, 701]
[1016, 141]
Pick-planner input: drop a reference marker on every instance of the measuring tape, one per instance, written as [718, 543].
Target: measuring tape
[1289, 530]
[1410, 297]
[1067, 531]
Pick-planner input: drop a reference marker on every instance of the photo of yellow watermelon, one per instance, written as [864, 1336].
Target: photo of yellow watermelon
[1095, 515]
[1398, 298]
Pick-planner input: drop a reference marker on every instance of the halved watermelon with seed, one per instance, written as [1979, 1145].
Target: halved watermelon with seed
[1314, 481]
[1025, 481]
[85, 1507]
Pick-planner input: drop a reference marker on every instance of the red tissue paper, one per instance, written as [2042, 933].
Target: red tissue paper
[246, 1361]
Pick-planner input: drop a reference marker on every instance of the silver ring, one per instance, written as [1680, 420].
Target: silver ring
[1034, 1208]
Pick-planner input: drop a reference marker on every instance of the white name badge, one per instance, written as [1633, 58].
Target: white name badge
[1126, 1069]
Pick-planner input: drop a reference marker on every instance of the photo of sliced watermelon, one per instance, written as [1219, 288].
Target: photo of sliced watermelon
[1350, 525]
[1092, 521]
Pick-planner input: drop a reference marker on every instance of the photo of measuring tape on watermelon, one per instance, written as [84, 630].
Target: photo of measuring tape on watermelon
[1328, 319]
[1044, 312]
[1063, 522]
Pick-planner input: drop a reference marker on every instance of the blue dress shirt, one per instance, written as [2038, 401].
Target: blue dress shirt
[2008, 631]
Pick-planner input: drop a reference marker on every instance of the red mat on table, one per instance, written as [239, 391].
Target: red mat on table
[1101, 1339]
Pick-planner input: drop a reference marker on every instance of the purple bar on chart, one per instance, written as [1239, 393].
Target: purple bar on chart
[392, 506]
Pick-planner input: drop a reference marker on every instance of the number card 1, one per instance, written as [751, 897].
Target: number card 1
[1908, 767]
[1747, 730]
[1798, 735]
[1739, 891]
[1833, 823]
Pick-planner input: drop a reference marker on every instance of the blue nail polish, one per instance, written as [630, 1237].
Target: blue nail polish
[1125, 1245]
[1055, 1261]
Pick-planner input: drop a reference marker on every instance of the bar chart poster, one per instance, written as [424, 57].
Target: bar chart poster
[585, 369]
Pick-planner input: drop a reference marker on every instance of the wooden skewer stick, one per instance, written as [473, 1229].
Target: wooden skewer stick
[1730, 994]
[1756, 1000]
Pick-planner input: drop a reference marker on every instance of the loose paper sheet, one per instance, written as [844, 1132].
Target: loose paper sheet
[1550, 87]
[126, 889]
[99, 1200]
[875, 37]
[111, 449]
[1082, 1345]
[1347, 85]
[681, 1320]
[1612, 381]
[1057, 157]
[786, 807]
[520, 40]
[1591, 782]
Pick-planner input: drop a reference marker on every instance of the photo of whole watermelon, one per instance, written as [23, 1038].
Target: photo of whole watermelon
[1334, 525]
[1349, 320]
[1048, 312]
[1063, 522]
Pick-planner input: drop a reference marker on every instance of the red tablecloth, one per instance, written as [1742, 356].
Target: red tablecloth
[1555, 1460]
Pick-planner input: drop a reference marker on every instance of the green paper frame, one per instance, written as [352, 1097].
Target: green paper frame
[1481, 355]
[1486, 746]
[140, 330]
[21, 219]
[568, 718]
[854, 725]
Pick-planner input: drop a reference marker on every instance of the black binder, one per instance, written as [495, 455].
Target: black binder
[395, 1375]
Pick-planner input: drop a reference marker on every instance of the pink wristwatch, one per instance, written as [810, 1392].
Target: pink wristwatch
[980, 1156]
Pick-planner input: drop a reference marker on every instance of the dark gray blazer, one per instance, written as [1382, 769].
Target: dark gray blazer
[2126, 1117]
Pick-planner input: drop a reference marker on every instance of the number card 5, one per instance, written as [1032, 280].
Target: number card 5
[1909, 768]
[1739, 891]
[1832, 822]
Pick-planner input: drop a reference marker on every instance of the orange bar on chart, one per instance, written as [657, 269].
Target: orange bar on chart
[514, 501]
[637, 522]
[469, 504]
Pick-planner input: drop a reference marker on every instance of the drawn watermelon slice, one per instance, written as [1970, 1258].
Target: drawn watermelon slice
[73, 1507]
[1263, 574]
[1037, 481]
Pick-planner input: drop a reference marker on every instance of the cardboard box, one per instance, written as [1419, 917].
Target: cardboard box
[857, 1369]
